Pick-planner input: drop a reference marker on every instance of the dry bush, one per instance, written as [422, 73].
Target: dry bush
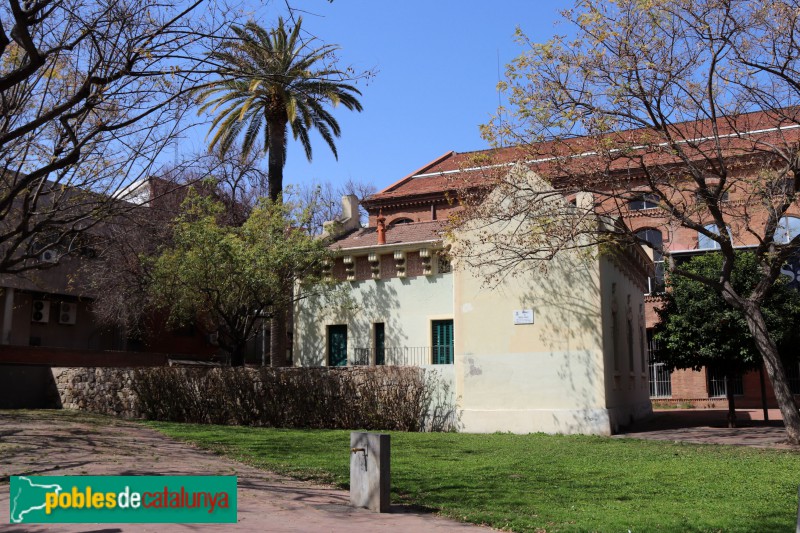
[386, 398]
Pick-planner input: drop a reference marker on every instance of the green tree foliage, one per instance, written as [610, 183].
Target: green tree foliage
[229, 278]
[698, 329]
[271, 80]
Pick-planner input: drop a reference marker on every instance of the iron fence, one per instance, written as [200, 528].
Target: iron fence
[716, 383]
[406, 355]
[660, 376]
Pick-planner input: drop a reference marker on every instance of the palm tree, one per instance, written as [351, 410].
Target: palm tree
[269, 80]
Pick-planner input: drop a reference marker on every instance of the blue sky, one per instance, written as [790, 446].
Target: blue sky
[437, 65]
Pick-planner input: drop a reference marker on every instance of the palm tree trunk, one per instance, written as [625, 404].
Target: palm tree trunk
[277, 338]
[237, 355]
[277, 158]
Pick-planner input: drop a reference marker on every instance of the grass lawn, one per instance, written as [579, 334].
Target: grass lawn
[543, 482]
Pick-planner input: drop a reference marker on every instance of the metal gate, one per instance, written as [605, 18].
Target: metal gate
[660, 376]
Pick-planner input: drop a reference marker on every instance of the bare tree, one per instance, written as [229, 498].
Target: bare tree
[132, 239]
[680, 103]
[91, 94]
[323, 201]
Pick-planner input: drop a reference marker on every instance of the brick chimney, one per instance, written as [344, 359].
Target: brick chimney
[349, 221]
[381, 228]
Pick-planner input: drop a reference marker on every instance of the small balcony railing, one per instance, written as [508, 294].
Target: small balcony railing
[405, 355]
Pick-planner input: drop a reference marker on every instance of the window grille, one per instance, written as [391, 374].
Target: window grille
[716, 383]
[444, 265]
[660, 376]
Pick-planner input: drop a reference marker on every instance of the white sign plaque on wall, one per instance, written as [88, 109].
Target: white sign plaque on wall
[523, 316]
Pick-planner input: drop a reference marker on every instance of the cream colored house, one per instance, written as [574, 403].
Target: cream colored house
[556, 352]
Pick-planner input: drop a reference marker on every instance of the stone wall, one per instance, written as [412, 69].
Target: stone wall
[384, 397]
[99, 390]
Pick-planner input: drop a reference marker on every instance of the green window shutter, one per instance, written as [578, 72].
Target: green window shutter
[380, 343]
[337, 345]
[442, 336]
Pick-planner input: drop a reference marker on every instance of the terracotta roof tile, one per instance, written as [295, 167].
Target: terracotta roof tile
[577, 155]
[399, 234]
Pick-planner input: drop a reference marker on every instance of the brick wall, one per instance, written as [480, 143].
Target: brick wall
[689, 386]
[420, 213]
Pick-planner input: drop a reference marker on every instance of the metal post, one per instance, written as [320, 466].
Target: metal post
[264, 344]
[8, 314]
[764, 406]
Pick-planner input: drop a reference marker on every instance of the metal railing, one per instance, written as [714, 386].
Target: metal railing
[716, 383]
[406, 355]
[660, 376]
[361, 357]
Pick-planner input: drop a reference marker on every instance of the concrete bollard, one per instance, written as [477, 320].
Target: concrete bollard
[369, 471]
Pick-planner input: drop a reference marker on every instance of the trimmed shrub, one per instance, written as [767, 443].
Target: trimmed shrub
[387, 398]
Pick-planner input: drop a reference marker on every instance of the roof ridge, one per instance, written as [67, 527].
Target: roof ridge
[418, 171]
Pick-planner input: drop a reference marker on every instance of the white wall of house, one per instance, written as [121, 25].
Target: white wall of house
[406, 307]
[627, 389]
[555, 375]
[546, 376]
[551, 375]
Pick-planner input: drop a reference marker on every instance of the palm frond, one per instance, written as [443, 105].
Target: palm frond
[270, 76]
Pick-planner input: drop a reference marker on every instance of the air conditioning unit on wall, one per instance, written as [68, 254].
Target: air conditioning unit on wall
[49, 256]
[67, 313]
[40, 311]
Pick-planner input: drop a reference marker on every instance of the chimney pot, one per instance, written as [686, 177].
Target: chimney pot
[381, 228]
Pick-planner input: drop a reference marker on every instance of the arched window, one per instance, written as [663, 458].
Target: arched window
[654, 239]
[707, 243]
[400, 221]
[788, 229]
[644, 201]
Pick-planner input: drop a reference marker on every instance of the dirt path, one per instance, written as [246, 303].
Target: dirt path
[63, 443]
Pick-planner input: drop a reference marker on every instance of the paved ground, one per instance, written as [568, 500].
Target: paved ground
[58, 443]
[709, 426]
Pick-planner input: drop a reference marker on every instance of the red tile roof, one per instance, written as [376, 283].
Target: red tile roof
[746, 134]
[398, 234]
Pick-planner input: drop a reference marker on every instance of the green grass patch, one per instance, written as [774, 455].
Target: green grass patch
[544, 482]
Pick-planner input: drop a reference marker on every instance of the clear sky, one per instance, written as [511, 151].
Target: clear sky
[437, 63]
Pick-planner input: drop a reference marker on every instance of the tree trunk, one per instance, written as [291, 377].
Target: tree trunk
[731, 400]
[237, 355]
[775, 370]
[276, 159]
[277, 338]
